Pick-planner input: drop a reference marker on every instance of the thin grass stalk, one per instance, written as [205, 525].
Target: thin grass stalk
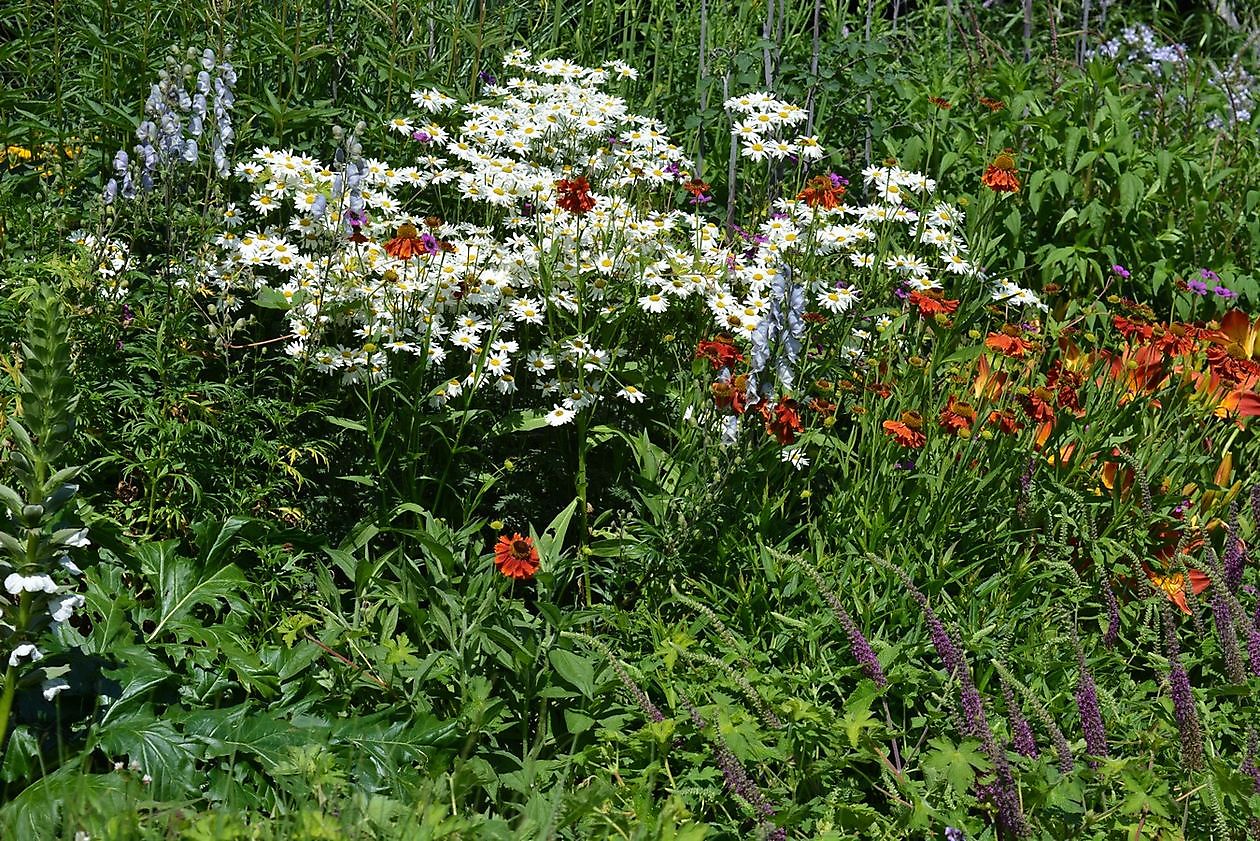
[870, 103]
[767, 35]
[1082, 42]
[1028, 30]
[815, 49]
[732, 158]
[701, 82]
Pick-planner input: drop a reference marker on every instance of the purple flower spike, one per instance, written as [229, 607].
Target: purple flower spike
[1091, 714]
[1121, 271]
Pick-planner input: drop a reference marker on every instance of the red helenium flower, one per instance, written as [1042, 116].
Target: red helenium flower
[516, 556]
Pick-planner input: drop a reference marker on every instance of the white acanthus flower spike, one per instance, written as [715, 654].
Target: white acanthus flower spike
[78, 540]
[17, 583]
[54, 687]
[25, 650]
[63, 608]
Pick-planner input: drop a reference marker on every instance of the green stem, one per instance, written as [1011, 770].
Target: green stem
[6, 703]
[583, 519]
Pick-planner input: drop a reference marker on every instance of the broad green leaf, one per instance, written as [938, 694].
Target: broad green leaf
[577, 670]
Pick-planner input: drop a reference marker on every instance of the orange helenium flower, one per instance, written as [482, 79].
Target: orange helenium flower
[1008, 342]
[906, 431]
[956, 416]
[783, 422]
[932, 302]
[516, 556]
[1001, 175]
[821, 190]
[406, 243]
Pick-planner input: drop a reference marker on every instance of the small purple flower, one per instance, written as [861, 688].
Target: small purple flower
[1181, 508]
[905, 464]
[674, 169]
[902, 293]
[837, 181]
[487, 78]
[127, 315]
[1208, 274]
[421, 136]
[953, 834]
[1121, 271]
[430, 244]
[1225, 293]
[700, 198]
[527, 209]
[1198, 287]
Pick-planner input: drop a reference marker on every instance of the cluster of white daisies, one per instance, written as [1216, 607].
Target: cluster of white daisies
[531, 289]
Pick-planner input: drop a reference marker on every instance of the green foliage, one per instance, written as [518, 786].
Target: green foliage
[293, 626]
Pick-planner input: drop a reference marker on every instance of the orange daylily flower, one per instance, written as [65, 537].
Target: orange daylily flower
[1174, 585]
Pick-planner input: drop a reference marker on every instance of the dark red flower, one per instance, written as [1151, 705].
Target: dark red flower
[575, 195]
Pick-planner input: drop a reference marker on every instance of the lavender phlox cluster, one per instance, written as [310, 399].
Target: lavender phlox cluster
[1241, 90]
[179, 124]
[1137, 45]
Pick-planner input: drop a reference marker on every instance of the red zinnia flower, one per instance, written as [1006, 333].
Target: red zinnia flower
[516, 556]
[1001, 175]
[575, 195]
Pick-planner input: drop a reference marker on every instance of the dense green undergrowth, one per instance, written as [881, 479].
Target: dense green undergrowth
[857, 445]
